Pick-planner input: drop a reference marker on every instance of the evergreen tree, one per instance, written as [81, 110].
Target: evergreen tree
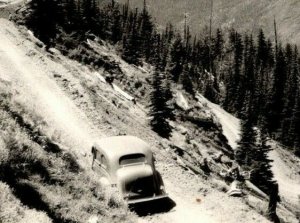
[132, 41]
[295, 126]
[116, 30]
[246, 149]
[262, 52]
[146, 32]
[156, 56]
[204, 51]
[252, 155]
[159, 110]
[112, 22]
[248, 77]
[218, 45]
[177, 52]
[234, 99]
[294, 130]
[71, 17]
[43, 20]
[186, 80]
[291, 85]
[87, 14]
[261, 174]
[276, 104]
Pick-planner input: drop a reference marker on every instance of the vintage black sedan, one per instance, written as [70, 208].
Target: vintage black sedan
[126, 163]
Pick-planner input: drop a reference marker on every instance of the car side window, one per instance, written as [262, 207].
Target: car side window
[98, 156]
[103, 161]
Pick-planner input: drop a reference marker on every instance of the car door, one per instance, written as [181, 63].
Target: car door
[100, 164]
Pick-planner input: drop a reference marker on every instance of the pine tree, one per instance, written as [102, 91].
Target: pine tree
[294, 130]
[234, 98]
[248, 77]
[159, 110]
[261, 174]
[43, 20]
[71, 17]
[87, 14]
[290, 90]
[112, 22]
[295, 127]
[177, 51]
[218, 45]
[262, 52]
[116, 28]
[274, 116]
[147, 27]
[164, 51]
[205, 50]
[252, 155]
[246, 149]
[132, 41]
[186, 80]
[156, 56]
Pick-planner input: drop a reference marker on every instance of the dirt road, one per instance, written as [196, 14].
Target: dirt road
[41, 94]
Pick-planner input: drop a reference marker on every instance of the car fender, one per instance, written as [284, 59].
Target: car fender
[104, 182]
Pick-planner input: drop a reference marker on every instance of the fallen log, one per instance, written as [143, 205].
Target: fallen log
[254, 189]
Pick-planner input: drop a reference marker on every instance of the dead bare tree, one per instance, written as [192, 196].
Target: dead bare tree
[275, 35]
[210, 34]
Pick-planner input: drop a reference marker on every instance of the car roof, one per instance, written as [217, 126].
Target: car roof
[118, 146]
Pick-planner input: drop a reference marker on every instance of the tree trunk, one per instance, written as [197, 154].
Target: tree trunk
[273, 204]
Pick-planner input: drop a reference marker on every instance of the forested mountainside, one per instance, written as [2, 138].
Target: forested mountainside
[245, 16]
[248, 74]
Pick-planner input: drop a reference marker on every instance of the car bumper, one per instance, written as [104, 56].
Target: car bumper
[147, 199]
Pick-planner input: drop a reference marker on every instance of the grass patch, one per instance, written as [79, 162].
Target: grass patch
[41, 176]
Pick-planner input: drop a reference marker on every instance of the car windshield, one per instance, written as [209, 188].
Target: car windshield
[132, 159]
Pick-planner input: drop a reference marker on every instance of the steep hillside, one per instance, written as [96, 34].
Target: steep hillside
[53, 108]
[42, 134]
[242, 15]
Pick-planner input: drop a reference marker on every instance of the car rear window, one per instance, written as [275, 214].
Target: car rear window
[132, 158]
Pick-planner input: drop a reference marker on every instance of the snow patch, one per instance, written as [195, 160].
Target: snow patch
[181, 101]
[123, 93]
[230, 124]
[100, 77]
[289, 186]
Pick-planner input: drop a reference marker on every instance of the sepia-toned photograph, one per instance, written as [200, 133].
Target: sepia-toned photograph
[149, 111]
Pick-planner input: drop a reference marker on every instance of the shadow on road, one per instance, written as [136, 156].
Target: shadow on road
[153, 207]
